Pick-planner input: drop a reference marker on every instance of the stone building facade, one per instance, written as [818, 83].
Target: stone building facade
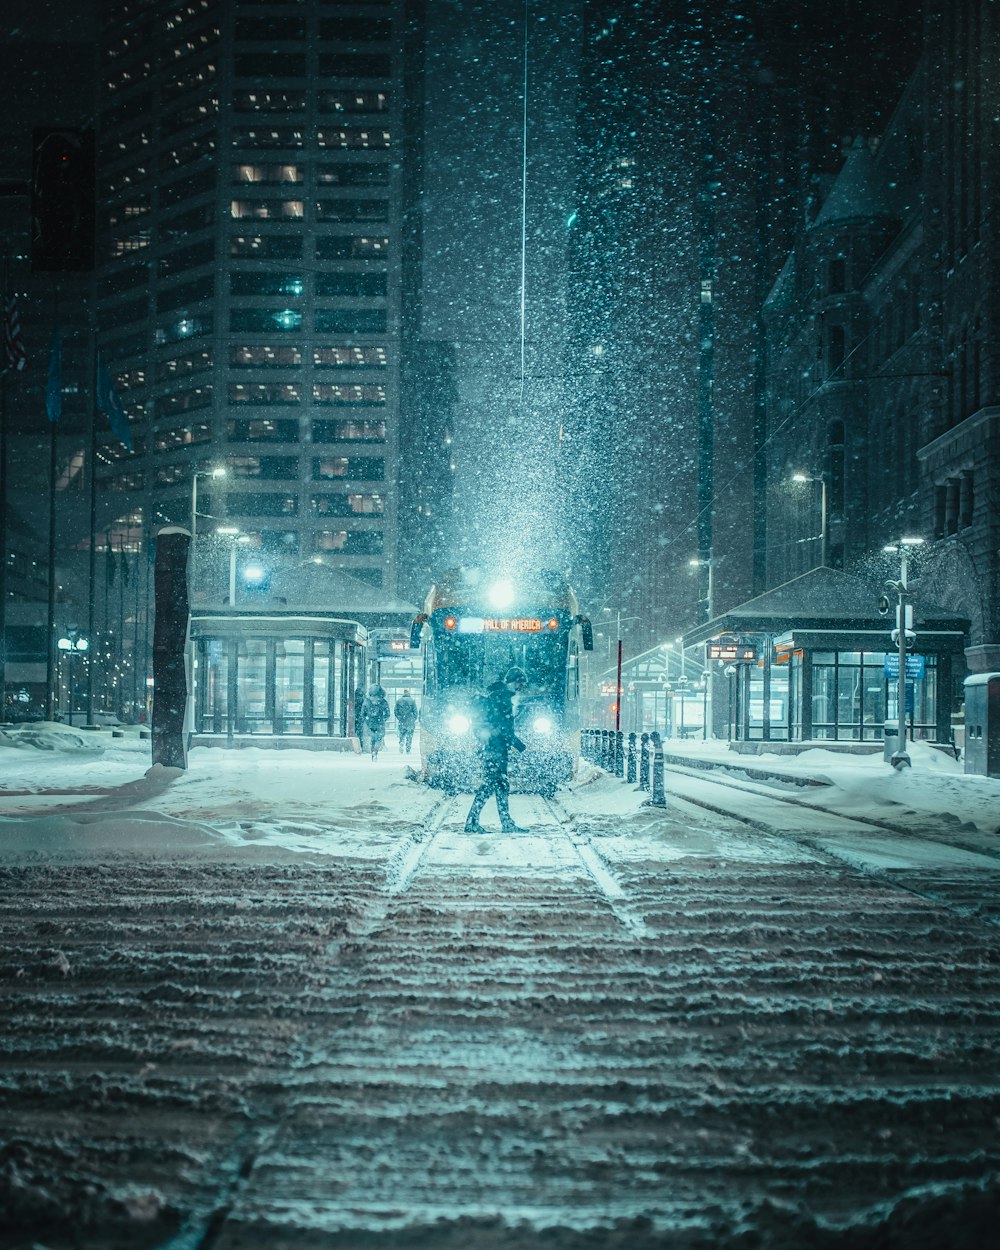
[883, 344]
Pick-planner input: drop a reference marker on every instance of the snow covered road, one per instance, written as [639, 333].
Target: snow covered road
[628, 1028]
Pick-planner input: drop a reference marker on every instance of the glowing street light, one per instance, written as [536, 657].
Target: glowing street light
[230, 531]
[696, 563]
[217, 472]
[824, 523]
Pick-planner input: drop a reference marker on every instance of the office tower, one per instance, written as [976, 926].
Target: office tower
[249, 247]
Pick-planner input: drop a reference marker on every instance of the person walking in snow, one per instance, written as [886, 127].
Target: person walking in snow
[498, 736]
[406, 720]
[374, 715]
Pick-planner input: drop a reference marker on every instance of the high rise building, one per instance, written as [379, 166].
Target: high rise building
[250, 190]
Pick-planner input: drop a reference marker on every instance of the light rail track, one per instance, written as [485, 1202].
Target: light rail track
[943, 891]
[547, 818]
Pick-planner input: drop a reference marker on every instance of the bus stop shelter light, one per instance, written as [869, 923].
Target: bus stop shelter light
[502, 593]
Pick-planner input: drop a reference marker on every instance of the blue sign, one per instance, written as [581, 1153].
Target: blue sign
[916, 668]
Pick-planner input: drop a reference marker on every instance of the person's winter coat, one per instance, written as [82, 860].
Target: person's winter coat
[375, 711]
[495, 728]
[406, 712]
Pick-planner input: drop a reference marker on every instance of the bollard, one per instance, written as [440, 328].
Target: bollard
[585, 743]
[659, 794]
[644, 764]
[619, 753]
[608, 751]
[630, 767]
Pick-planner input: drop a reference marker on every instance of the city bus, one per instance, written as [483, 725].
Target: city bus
[473, 629]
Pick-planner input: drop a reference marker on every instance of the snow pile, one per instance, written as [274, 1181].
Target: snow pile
[48, 735]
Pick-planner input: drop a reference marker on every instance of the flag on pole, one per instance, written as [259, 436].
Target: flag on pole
[110, 404]
[53, 387]
[15, 357]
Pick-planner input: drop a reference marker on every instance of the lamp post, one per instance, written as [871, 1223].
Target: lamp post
[231, 532]
[899, 757]
[70, 646]
[217, 472]
[696, 563]
[824, 522]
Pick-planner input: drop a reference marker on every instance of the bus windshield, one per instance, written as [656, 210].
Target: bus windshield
[476, 660]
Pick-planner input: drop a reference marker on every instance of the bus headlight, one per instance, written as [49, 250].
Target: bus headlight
[542, 725]
[458, 724]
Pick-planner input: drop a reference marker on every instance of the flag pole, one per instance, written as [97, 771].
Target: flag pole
[3, 510]
[92, 571]
[51, 615]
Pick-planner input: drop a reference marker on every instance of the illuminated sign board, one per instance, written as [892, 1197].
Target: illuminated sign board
[500, 624]
[731, 651]
[516, 624]
[393, 646]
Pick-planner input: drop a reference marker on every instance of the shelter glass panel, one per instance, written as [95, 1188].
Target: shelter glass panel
[253, 712]
[289, 686]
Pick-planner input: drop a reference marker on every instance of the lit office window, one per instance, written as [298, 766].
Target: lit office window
[254, 356]
[342, 396]
[350, 357]
[265, 393]
[268, 210]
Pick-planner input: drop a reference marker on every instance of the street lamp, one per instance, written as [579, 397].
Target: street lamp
[217, 472]
[70, 646]
[230, 531]
[899, 756]
[824, 524]
[696, 563]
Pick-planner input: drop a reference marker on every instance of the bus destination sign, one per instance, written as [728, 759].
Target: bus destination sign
[732, 651]
[515, 624]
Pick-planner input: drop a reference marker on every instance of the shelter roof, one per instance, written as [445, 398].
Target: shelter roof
[825, 599]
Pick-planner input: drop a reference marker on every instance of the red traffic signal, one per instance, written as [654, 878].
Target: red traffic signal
[63, 192]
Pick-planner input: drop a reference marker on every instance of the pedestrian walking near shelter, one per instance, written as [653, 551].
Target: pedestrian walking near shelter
[497, 737]
[406, 721]
[374, 717]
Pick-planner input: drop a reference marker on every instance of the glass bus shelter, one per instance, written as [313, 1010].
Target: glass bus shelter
[276, 680]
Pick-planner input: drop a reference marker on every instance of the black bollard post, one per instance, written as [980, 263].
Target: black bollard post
[607, 751]
[630, 767]
[659, 793]
[644, 764]
[619, 753]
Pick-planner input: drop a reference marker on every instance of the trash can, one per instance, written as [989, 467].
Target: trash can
[982, 724]
[890, 732]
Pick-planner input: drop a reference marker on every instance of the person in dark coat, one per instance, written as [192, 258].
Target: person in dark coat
[406, 720]
[374, 716]
[498, 737]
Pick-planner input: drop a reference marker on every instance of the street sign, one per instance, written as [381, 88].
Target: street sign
[731, 651]
[393, 646]
[916, 667]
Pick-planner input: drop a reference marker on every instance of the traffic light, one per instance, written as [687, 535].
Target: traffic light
[63, 191]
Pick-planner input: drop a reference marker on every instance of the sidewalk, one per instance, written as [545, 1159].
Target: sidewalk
[935, 786]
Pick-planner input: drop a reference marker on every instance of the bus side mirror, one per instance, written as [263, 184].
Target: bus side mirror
[588, 633]
[416, 629]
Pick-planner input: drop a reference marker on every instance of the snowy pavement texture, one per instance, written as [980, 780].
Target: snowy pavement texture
[282, 1000]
